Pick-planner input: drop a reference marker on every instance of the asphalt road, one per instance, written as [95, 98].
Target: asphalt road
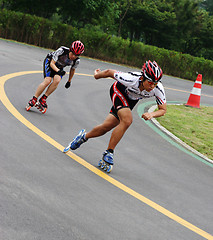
[155, 191]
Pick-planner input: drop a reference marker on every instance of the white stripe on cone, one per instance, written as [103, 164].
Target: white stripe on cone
[194, 98]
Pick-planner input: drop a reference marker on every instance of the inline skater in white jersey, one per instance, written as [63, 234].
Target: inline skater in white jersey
[53, 72]
[125, 93]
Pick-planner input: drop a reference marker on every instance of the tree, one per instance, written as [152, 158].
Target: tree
[208, 6]
[206, 37]
[39, 7]
[188, 25]
[82, 12]
[152, 22]
[123, 7]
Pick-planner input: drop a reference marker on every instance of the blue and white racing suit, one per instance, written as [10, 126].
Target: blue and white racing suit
[61, 57]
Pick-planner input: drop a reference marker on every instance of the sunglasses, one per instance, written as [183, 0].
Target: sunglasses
[151, 82]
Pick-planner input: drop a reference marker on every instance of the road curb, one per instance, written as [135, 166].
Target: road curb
[163, 129]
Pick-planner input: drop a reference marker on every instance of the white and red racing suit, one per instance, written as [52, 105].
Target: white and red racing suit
[125, 91]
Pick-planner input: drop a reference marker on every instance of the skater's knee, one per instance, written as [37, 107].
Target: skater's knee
[125, 117]
[56, 79]
[47, 80]
[126, 121]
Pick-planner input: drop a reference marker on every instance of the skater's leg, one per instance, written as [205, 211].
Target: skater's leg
[125, 116]
[42, 86]
[52, 87]
[109, 123]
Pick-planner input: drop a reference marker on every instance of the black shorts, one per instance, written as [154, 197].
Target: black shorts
[47, 70]
[120, 99]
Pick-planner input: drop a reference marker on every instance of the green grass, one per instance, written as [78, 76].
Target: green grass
[193, 126]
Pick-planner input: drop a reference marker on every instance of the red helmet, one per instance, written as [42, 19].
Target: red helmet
[77, 48]
[152, 72]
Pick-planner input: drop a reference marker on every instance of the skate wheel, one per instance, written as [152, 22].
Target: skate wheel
[44, 110]
[105, 167]
[28, 107]
[37, 105]
[109, 168]
[100, 163]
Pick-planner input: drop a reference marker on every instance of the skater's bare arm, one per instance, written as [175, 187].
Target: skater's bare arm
[104, 74]
[160, 112]
[53, 66]
[72, 72]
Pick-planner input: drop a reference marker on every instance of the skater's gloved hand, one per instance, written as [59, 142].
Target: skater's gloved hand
[61, 73]
[67, 85]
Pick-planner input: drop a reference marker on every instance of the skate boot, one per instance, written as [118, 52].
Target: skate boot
[31, 103]
[106, 163]
[41, 104]
[77, 141]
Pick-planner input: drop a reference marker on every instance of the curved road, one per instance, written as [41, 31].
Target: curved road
[155, 191]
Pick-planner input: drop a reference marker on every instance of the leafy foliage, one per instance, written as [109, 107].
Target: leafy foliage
[208, 6]
[181, 25]
[50, 34]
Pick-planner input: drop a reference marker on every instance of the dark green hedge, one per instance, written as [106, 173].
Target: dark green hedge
[44, 33]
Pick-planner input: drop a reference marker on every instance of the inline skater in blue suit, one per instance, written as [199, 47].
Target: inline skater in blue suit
[53, 72]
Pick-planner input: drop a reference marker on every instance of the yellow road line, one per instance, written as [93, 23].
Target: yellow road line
[14, 112]
[178, 90]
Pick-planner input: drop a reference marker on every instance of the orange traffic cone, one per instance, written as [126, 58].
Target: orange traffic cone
[194, 98]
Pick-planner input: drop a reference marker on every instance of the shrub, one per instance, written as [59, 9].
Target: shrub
[44, 33]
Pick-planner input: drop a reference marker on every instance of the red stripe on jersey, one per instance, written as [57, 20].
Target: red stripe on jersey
[159, 100]
[117, 93]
